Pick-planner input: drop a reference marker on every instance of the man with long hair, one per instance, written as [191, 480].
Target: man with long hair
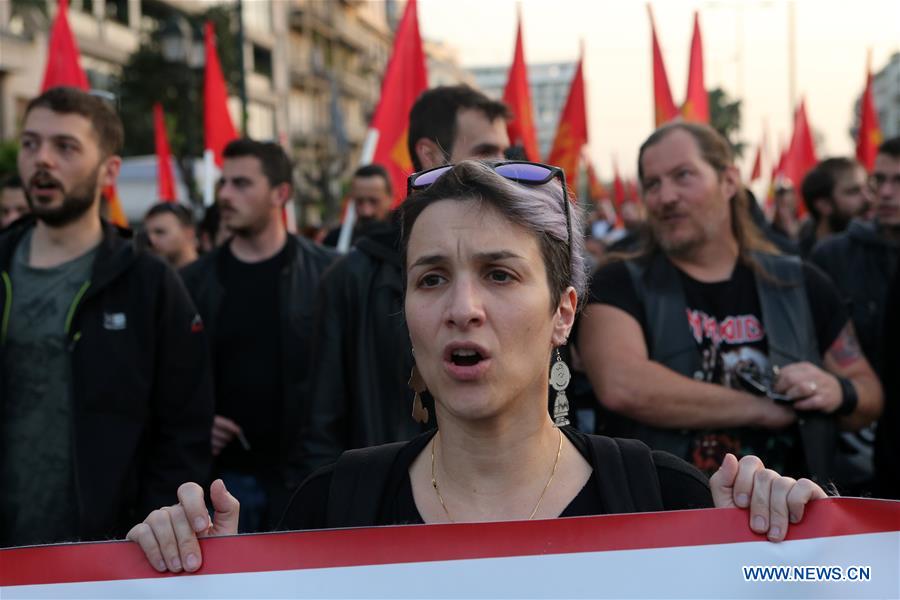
[708, 341]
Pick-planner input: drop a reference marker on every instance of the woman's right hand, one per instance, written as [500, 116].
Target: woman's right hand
[168, 536]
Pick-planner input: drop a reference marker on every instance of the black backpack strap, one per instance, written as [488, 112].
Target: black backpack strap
[357, 485]
[626, 475]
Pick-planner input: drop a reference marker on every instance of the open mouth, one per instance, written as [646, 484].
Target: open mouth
[466, 357]
[43, 184]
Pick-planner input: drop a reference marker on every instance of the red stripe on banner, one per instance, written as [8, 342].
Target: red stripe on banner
[105, 561]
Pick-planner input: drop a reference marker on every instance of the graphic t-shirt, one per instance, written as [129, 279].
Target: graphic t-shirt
[725, 320]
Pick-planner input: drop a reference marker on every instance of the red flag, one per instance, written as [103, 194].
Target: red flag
[596, 189]
[404, 79]
[756, 172]
[801, 155]
[696, 102]
[165, 181]
[517, 95]
[63, 68]
[663, 104]
[115, 214]
[631, 193]
[868, 138]
[572, 131]
[217, 125]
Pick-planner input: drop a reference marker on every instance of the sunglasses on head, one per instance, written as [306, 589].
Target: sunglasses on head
[520, 171]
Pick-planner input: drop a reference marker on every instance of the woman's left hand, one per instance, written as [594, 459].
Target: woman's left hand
[774, 500]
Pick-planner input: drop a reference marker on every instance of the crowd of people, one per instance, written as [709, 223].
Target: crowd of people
[480, 353]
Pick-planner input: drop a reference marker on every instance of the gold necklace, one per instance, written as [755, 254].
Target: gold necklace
[437, 490]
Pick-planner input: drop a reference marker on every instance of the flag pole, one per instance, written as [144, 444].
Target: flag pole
[209, 173]
[368, 152]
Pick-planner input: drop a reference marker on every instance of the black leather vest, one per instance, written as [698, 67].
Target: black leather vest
[790, 333]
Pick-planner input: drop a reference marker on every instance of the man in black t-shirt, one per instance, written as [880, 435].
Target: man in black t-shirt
[676, 339]
[256, 294]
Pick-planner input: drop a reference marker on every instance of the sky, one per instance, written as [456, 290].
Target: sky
[745, 53]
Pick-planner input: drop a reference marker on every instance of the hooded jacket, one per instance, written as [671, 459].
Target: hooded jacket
[363, 354]
[861, 264]
[142, 400]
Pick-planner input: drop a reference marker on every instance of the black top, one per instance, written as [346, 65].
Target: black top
[725, 319]
[249, 384]
[682, 487]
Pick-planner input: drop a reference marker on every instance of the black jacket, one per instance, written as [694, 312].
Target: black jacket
[887, 436]
[861, 263]
[142, 395]
[363, 355]
[300, 276]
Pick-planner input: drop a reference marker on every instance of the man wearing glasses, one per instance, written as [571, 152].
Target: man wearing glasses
[861, 261]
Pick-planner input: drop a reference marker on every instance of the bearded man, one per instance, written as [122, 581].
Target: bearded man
[105, 393]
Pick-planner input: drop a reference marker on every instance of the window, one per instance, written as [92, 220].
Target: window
[117, 10]
[262, 61]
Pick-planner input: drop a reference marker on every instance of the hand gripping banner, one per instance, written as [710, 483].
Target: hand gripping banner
[844, 548]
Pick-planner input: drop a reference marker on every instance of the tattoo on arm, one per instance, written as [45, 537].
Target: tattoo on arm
[845, 350]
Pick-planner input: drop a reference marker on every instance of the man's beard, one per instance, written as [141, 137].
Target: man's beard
[838, 221]
[76, 202]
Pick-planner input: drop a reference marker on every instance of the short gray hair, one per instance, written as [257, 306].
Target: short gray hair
[537, 208]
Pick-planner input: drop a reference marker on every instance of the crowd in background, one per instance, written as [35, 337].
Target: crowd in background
[229, 348]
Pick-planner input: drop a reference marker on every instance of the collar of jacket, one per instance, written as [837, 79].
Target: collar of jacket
[114, 255]
[866, 232]
[217, 254]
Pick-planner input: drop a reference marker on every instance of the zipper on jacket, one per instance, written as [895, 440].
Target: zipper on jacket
[76, 480]
[7, 306]
[74, 306]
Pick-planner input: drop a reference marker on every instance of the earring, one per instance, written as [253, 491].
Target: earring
[417, 384]
[559, 380]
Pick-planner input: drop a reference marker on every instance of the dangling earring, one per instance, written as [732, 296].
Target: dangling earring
[559, 380]
[417, 384]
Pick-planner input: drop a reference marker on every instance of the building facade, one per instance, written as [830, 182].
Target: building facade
[312, 71]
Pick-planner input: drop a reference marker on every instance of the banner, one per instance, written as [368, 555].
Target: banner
[844, 548]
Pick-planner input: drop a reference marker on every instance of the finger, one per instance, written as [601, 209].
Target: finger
[802, 389]
[143, 536]
[190, 496]
[226, 423]
[222, 436]
[185, 537]
[815, 402]
[161, 525]
[743, 483]
[227, 507]
[799, 496]
[721, 484]
[778, 507]
[760, 499]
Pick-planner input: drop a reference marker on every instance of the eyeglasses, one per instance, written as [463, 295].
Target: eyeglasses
[520, 171]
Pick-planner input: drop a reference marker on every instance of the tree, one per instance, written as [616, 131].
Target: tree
[148, 78]
[8, 151]
[725, 117]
